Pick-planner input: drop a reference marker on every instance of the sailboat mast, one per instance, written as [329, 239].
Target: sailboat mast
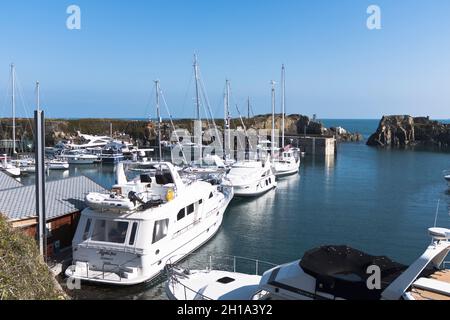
[38, 96]
[248, 107]
[158, 114]
[13, 105]
[197, 95]
[273, 120]
[283, 102]
[228, 113]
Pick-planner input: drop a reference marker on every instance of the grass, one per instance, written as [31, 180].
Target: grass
[23, 273]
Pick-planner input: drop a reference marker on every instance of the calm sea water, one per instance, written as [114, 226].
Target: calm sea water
[379, 201]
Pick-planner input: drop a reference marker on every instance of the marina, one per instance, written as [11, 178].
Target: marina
[295, 218]
[231, 151]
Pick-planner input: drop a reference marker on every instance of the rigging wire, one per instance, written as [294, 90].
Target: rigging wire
[163, 98]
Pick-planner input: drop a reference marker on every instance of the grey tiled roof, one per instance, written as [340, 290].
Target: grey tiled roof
[6, 182]
[62, 197]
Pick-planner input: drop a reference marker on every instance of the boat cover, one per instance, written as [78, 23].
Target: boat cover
[343, 271]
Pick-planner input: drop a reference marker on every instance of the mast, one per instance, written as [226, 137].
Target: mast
[13, 105]
[158, 114]
[273, 120]
[248, 108]
[38, 96]
[283, 102]
[197, 96]
[227, 115]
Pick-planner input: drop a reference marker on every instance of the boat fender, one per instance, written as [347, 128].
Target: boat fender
[170, 195]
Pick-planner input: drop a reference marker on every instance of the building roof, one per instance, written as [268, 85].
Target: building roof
[62, 197]
[6, 182]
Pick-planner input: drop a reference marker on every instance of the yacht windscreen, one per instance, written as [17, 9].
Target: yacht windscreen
[110, 231]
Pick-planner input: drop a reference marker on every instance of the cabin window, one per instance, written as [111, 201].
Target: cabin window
[267, 182]
[86, 229]
[160, 230]
[181, 214]
[210, 195]
[190, 209]
[200, 201]
[110, 231]
[133, 234]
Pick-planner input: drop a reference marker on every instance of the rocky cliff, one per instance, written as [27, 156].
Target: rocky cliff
[144, 132]
[405, 130]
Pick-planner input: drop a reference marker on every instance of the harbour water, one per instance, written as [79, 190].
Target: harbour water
[379, 201]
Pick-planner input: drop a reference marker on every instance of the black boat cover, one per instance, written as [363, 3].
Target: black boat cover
[342, 271]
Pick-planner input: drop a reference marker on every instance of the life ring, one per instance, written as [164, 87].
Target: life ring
[170, 195]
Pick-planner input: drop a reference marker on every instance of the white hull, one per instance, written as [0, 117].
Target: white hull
[81, 161]
[447, 178]
[12, 171]
[254, 189]
[182, 247]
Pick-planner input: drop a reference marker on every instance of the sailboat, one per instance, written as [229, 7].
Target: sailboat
[288, 162]
[252, 178]
[6, 165]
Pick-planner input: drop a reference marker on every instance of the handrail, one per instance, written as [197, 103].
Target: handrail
[175, 278]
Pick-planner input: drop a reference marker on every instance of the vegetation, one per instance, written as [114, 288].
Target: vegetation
[23, 273]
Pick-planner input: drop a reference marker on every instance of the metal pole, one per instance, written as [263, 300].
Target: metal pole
[40, 175]
[13, 105]
[273, 120]
[197, 95]
[158, 114]
[283, 102]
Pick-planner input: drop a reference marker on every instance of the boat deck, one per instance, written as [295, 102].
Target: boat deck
[429, 294]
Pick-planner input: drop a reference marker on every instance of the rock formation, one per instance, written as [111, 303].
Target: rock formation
[405, 130]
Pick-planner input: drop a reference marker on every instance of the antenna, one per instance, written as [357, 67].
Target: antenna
[437, 212]
[273, 120]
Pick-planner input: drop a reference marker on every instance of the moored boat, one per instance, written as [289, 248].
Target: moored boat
[324, 273]
[127, 236]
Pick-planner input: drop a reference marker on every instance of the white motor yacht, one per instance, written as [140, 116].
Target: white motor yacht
[287, 164]
[325, 273]
[251, 178]
[126, 237]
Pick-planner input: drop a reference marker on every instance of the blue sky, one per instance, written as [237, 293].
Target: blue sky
[336, 67]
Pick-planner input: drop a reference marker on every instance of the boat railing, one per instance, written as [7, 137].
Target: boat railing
[180, 266]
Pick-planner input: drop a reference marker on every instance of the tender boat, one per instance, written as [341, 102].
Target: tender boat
[325, 273]
[127, 236]
[251, 178]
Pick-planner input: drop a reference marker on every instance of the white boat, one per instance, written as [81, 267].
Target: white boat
[325, 273]
[7, 167]
[287, 164]
[126, 237]
[57, 164]
[78, 157]
[447, 177]
[251, 178]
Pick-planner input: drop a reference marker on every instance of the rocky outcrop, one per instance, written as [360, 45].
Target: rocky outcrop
[399, 131]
